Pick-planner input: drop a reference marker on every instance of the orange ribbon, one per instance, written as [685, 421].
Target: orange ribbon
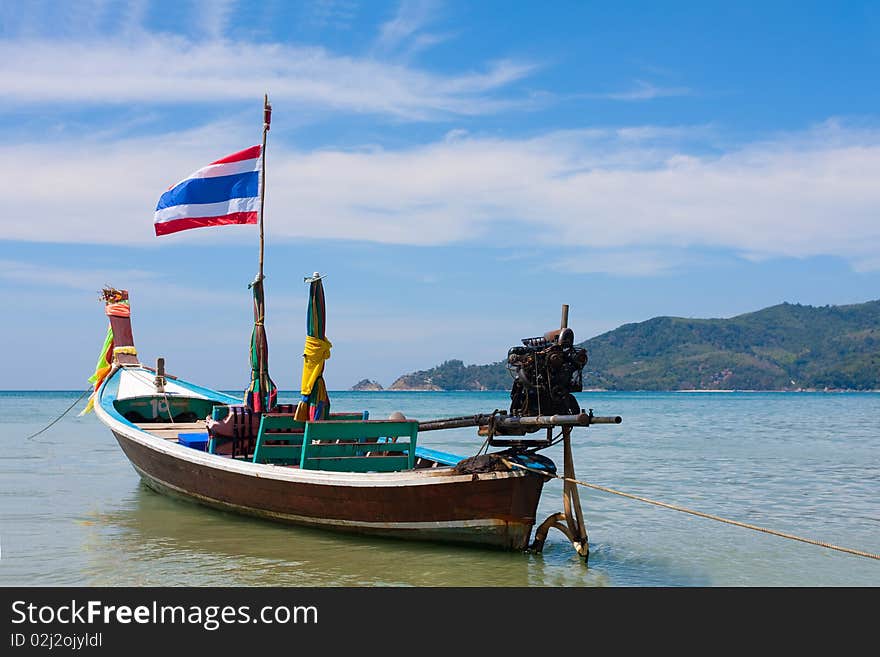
[117, 310]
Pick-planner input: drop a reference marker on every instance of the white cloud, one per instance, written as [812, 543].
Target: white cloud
[642, 90]
[336, 14]
[29, 274]
[163, 69]
[158, 288]
[213, 16]
[813, 193]
[626, 262]
[405, 28]
[132, 19]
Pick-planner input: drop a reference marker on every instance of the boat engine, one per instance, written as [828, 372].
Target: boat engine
[546, 371]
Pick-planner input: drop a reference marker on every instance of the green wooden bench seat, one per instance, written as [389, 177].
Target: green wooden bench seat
[280, 437]
[359, 446]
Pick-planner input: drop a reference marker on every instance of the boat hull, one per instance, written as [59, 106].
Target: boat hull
[495, 509]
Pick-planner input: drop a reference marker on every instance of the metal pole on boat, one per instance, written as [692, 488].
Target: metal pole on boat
[504, 421]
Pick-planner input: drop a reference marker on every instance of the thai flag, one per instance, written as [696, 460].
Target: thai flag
[224, 192]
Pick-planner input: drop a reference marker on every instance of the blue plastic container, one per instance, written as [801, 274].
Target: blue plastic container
[197, 441]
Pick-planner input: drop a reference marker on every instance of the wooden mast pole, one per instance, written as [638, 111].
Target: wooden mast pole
[267, 119]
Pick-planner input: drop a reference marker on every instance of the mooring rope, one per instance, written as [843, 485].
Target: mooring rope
[66, 411]
[736, 523]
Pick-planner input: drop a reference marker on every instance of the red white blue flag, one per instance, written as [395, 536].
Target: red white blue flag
[224, 192]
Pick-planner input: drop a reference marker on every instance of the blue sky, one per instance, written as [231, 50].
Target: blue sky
[458, 170]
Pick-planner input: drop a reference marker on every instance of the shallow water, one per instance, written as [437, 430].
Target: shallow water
[73, 511]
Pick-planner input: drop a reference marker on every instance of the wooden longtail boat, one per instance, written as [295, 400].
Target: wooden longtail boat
[162, 425]
[301, 464]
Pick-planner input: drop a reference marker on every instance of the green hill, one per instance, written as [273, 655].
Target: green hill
[455, 375]
[783, 347]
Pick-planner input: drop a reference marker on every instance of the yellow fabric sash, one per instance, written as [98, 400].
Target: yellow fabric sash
[316, 352]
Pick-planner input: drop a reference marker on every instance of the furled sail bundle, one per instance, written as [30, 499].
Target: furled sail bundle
[315, 401]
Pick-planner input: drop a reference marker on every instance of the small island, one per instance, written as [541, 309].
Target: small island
[416, 382]
[367, 385]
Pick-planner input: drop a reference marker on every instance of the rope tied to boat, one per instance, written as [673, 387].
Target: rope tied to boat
[736, 523]
[66, 411]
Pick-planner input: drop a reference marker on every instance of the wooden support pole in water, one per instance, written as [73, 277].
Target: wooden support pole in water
[571, 520]
[571, 500]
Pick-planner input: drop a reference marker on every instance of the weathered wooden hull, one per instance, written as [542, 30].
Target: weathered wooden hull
[433, 503]
[495, 509]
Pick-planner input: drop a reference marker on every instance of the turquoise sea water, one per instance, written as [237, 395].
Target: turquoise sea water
[73, 511]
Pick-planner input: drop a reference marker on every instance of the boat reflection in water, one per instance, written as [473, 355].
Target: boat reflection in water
[162, 541]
